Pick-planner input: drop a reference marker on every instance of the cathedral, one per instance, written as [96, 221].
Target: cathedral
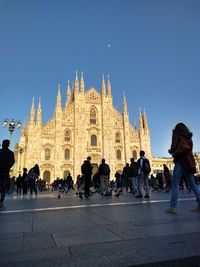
[87, 125]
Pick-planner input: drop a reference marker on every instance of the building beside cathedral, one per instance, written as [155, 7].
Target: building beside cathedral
[87, 125]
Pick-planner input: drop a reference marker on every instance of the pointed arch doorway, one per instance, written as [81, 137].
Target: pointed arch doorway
[47, 176]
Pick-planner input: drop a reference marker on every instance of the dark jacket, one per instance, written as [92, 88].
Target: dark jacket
[126, 171]
[104, 169]
[86, 169]
[32, 175]
[6, 160]
[133, 170]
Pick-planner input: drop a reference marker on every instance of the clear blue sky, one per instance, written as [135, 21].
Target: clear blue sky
[154, 56]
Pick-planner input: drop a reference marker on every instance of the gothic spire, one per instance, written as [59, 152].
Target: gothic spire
[141, 126]
[32, 113]
[73, 92]
[109, 86]
[68, 93]
[24, 126]
[103, 86]
[76, 83]
[39, 113]
[58, 101]
[145, 122]
[82, 85]
[125, 104]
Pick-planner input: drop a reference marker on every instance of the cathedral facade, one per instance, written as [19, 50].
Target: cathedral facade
[87, 125]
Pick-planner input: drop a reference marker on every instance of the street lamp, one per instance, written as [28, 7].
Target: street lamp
[11, 126]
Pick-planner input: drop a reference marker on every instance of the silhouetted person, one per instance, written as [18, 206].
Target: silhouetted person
[118, 181]
[86, 170]
[104, 173]
[33, 175]
[25, 181]
[133, 176]
[126, 173]
[144, 170]
[69, 182]
[19, 184]
[6, 162]
[167, 177]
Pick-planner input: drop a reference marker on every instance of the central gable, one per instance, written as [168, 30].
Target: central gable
[93, 96]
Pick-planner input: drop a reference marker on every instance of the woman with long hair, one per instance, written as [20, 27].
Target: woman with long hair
[181, 150]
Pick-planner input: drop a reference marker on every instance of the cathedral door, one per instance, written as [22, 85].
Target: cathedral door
[65, 174]
[95, 168]
[46, 176]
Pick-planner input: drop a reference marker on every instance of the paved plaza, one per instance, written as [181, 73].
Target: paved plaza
[99, 231]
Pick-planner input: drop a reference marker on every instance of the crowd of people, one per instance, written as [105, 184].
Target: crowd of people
[135, 177]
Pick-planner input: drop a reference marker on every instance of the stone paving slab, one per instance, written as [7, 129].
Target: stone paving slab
[16, 223]
[133, 252]
[49, 257]
[11, 235]
[118, 253]
[185, 262]
[139, 232]
[51, 221]
[133, 232]
[93, 217]
[26, 244]
[85, 236]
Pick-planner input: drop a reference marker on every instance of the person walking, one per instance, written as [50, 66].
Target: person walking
[25, 181]
[19, 184]
[104, 173]
[69, 183]
[133, 174]
[144, 170]
[118, 182]
[33, 175]
[181, 150]
[86, 170]
[167, 177]
[6, 162]
[126, 174]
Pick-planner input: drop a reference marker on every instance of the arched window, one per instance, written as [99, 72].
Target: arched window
[119, 155]
[46, 176]
[47, 154]
[93, 140]
[134, 154]
[118, 138]
[67, 136]
[93, 116]
[67, 154]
